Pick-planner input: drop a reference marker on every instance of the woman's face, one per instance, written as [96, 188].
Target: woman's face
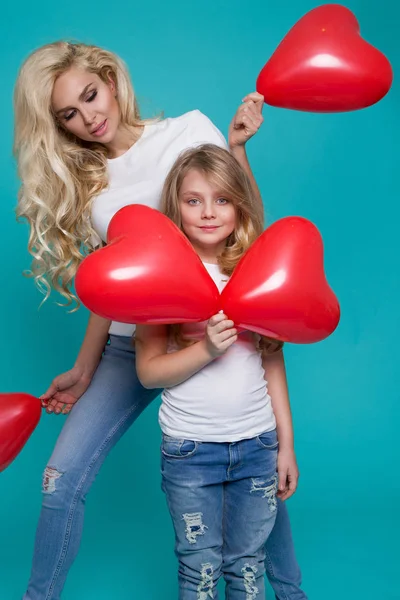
[86, 106]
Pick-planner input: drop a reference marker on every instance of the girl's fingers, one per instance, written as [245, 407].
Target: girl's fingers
[225, 345]
[223, 325]
[215, 319]
[225, 335]
[282, 480]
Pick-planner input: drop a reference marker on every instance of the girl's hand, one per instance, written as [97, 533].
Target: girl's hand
[220, 334]
[65, 391]
[288, 474]
[247, 120]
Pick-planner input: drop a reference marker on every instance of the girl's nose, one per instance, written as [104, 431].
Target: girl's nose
[208, 211]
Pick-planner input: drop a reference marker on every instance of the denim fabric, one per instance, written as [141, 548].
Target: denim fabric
[223, 504]
[104, 413]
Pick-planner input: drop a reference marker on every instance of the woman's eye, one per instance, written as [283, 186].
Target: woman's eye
[92, 96]
[69, 115]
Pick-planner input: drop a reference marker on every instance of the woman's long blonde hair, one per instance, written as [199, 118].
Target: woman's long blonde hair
[221, 168]
[61, 174]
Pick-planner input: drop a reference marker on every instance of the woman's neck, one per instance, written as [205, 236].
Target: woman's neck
[124, 139]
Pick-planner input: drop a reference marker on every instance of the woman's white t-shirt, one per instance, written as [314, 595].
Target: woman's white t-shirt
[137, 177]
[227, 400]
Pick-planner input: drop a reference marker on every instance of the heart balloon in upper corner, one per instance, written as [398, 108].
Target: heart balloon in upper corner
[324, 65]
[149, 273]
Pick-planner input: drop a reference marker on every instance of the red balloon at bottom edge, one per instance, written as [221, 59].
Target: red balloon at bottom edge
[19, 415]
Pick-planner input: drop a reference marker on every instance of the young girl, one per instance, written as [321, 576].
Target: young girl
[220, 433]
[83, 153]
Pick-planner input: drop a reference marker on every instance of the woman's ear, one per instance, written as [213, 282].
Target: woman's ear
[111, 84]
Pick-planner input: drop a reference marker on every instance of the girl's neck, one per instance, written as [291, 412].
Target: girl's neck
[209, 261]
[207, 255]
[125, 137]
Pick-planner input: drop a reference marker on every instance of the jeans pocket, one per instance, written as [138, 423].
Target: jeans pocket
[178, 448]
[268, 440]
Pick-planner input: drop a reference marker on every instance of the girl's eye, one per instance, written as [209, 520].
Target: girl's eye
[193, 201]
[222, 201]
[69, 116]
[92, 96]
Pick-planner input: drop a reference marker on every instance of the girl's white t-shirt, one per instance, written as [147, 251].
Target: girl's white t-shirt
[137, 177]
[228, 399]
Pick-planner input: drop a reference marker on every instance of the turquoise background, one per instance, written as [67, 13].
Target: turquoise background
[338, 171]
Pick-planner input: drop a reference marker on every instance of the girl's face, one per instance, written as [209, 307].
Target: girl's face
[208, 217]
[86, 106]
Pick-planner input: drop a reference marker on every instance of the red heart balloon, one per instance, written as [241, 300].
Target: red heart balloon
[148, 273]
[279, 289]
[19, 415]
[323, 65]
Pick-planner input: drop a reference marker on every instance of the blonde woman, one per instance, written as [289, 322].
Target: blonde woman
[83, 152]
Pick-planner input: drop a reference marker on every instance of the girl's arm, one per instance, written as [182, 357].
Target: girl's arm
[275, 374]
[158, 369]
[246, 122]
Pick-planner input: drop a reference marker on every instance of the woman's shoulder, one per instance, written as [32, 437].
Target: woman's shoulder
[195, 124]
[191, 118]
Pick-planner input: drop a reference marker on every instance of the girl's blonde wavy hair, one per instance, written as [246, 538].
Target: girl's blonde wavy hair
[223, 170]
[61, 174]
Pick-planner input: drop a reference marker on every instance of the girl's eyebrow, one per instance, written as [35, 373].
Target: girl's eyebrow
[81, 97]
[194, 193]
[191, 193]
